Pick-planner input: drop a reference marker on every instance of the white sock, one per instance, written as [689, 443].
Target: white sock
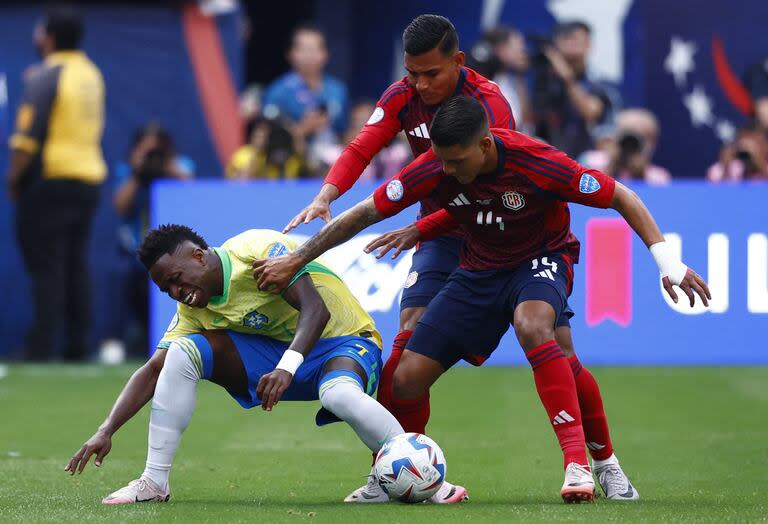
[172, 408]
[344, 397]
[600, 463]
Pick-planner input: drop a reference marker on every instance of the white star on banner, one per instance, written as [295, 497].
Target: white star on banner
[679, 61]
[725, 130]
[699, 107]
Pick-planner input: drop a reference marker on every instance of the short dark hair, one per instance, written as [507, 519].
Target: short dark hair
[460, 120]
[427, 32]
[566, 28]
[164, 240]
[65, 26]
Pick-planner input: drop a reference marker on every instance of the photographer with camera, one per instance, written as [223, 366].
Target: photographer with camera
[627, 155]
[501, 55]
[567, 104]
[152, 157]
[745, 159]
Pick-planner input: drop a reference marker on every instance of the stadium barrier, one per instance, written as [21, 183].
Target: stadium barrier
[622, 314]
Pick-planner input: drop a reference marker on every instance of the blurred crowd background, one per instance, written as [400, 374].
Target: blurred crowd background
[647, 92]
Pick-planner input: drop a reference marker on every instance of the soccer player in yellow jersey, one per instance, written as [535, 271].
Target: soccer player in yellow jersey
[314, 341]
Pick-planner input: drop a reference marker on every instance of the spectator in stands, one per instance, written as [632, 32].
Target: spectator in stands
[152, 157]
[55, 174]
[270, 153]
[745, 159]
[567, 104]
[501, 55]
[314, 102]
[757, 83]
[387, 163]
[628, 154]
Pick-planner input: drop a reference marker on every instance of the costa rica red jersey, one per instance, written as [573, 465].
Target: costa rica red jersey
[517, 213]
[400, 108]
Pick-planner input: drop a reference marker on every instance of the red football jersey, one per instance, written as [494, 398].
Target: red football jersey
[513, 215]
[400, 108]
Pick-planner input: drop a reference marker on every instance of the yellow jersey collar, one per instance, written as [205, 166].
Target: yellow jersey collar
[58, 57]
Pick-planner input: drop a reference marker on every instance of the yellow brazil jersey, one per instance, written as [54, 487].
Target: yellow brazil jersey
[61, 118]
[244, 308]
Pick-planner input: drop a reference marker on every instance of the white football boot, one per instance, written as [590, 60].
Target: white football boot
[579, 486]
[614, 481]
[139, 490]
[370, 492]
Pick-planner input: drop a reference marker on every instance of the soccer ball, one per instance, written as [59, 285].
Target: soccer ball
[410, 467]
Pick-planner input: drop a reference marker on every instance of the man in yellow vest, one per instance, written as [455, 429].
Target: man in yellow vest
[55, 175]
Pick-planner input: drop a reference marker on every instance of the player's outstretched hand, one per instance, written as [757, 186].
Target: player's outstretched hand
[99, 444]
[318, 208]
[271, 388]
[400, 240]
[690, 283]
[274, 274]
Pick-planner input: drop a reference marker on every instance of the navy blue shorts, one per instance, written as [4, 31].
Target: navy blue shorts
[432, 264]
[467, 319]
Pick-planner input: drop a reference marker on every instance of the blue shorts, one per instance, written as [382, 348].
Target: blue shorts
[261, 354]
[467, 319]
[432, 264]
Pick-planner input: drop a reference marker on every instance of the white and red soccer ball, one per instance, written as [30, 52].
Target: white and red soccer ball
[410, 467]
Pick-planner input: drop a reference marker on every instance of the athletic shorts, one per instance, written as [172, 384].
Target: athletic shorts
[467, 319]
[261, 354]
[432, 264]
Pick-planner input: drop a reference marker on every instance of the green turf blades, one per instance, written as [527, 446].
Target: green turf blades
[693, 441]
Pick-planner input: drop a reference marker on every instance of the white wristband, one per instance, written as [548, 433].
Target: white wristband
[669, 264]
[291, 361]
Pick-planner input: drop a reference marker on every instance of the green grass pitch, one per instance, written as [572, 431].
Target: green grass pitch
[693, 440]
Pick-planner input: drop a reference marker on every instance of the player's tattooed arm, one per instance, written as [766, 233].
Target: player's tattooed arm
[136, 393]
[275, 274]
[673, 270]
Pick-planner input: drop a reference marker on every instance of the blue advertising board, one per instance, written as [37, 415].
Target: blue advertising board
[622, 314]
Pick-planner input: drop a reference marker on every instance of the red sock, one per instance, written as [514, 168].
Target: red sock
[557, 391]
[384, 394]
[592, 413]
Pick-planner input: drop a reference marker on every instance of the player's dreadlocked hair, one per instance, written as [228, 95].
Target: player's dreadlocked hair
[460, 120]
[164, 240]
[427, 32]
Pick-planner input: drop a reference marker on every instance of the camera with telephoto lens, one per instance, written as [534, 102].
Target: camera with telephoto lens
[153, 166]
[630, 143]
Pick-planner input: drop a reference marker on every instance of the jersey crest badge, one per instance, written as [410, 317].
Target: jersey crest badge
[588, 184]
[277, 249]
[376, 116]
[513, 200]
[395, 190]
[255, 320]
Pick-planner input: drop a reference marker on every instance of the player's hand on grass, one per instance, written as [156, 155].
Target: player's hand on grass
[271, 387]
[274, 274]
[318, 208]
[400, 240]
[99, 444]
[691, 283]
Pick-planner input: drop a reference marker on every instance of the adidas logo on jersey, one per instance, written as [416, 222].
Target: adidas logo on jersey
[545, 274]
[562, 418]
[420, 131]
[460, 200]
